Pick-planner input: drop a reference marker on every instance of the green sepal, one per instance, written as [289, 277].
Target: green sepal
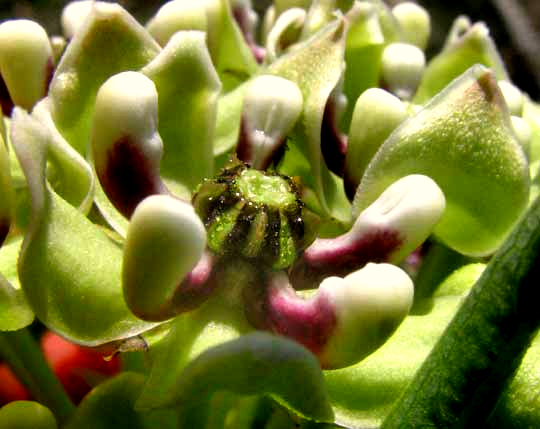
[110, 41]
[257, 363]
[26, 415]
[110, 405]
[230, 53]
[473, 47]
[69, 269]
[6, 190]
[188, 86]
[229, 114]
[15, 313]
[464, 141]
[316, 67]
[69, 174]
[187, 337]
[389, 24]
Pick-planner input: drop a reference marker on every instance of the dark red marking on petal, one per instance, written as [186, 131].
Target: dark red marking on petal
[197, 285]
[333, 142]
[245, 149]
[49, 73]
[129, 177]
[5, 99]
[4, 229]
[240, 14]
[308, 321]
[342, 255]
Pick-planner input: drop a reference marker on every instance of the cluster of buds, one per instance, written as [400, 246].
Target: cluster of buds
[192, 173]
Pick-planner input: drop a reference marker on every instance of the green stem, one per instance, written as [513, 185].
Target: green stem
[475, 358]
[23, 355]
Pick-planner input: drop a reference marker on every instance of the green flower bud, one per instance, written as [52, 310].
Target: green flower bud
[164, 242]
[415, 23]
[26, 415]
[25, 61]
[74, 14]
[255, 215]
[402, 66]
[376, 114]
[272, 105]
[174, 16]
[126, 146]
[513, 97]
[58, 46]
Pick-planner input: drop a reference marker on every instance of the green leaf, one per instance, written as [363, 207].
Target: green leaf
[111, 406]
[257, 363]
[188, 87]
[316, 67]
[110, 41]
[25, 415]
[68, 268]
[475, 46]
[464, 141]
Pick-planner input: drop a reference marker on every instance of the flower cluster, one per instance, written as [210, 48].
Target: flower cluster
[247, 202]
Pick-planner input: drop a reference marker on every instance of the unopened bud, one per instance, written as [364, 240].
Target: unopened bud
[402, 67]
[415, 23]
[376, 114]
[175, 16]
[73, 16]
[25, 61]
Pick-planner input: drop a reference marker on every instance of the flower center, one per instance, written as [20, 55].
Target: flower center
[259, 188]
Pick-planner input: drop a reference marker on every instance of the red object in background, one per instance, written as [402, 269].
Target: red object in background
[11, 389]
[78, 368]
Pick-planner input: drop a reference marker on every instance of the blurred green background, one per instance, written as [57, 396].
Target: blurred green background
[517, 41]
